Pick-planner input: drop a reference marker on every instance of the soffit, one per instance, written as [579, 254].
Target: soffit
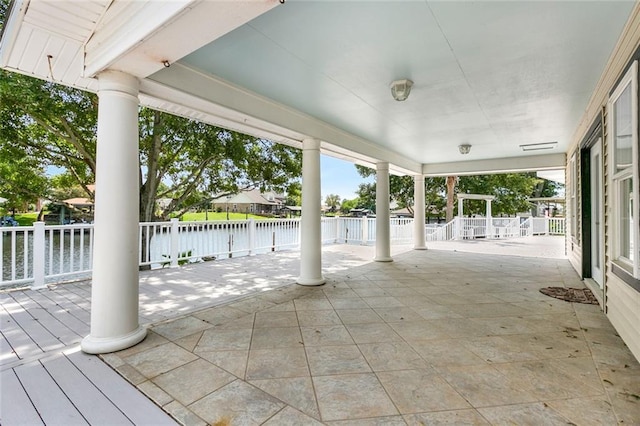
[492, 74]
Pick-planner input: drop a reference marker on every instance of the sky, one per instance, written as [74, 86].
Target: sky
[340, 177]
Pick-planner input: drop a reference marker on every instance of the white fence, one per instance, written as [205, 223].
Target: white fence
[471, 228]
[42, 254]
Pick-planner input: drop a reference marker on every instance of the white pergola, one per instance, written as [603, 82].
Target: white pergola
[503, 77]
[487, 198]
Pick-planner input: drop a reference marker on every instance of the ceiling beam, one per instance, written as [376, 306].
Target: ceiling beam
[529, 163]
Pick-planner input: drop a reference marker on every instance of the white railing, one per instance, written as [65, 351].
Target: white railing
[471, 228]
[547, 226]
[401, 230]
[42, 254]
[31, 253]
[444, 232]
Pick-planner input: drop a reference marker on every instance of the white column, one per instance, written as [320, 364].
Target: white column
[489, 230]
[460, 213]
[419, 236]
[114, 290]
[310, 226]
[383, 231]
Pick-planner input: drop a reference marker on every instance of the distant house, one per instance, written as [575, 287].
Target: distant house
[251, 201]
[402, 213]
[359, 212]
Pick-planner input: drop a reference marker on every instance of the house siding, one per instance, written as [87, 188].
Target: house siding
[621, 301]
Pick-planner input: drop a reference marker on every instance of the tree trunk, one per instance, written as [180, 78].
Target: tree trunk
[451, 185]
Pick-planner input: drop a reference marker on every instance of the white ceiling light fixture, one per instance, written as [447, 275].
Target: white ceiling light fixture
[465, 148]
[400, 89]
[538, 146]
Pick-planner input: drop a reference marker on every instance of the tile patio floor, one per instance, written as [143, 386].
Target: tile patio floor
[434, 337]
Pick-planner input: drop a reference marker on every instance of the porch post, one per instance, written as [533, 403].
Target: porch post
[489, 230]
[459, 224]
[310, 226]
[419, 236]
[114, 290]
[383, 231]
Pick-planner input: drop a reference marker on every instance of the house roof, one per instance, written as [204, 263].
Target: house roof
[253, 196]
[79, 202]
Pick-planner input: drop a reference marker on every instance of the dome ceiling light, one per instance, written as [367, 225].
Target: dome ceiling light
[400, 89]
[464, 148]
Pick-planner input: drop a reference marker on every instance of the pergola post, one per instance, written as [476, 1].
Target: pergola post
[114, 290]
[489, 220]
[310, 223]
[458, 223]
[383, 227]
[419, 236]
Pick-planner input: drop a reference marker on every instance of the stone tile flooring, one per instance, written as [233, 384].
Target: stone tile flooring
[435, 337]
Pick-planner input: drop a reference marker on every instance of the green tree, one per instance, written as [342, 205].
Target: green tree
[180, 159]
[332, 201]
[294, 194]
[348, 205]
[511, 191]
[22, 179]
[401, 189]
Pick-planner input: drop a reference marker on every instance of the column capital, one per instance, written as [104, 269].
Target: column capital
[117, 81]
[382, 165]
[311, 143]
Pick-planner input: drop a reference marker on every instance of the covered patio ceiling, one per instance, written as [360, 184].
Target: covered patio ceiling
[495, 75]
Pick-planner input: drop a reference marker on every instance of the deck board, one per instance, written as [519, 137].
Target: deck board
[23, 345]
[52, 404]
[94, 406]
[137, 407]
[15, 406]
[7, 354]
[36, 331]
[62, 313]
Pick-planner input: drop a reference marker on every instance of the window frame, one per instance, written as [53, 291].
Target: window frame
[618, 178]
[573, 197]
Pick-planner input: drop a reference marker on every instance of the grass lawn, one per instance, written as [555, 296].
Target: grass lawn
[188, 217]
[26, 219]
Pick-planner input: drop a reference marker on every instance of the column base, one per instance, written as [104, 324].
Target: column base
[311, 281]
[383, 259]
[105, 345]
[420, 248]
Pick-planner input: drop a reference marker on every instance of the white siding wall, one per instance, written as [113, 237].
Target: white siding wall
[624, 312]
[622, 301]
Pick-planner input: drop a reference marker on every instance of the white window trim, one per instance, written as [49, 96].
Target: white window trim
[631, 77]
[573, 191]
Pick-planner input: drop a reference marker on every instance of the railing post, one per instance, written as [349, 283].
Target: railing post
[38, 255]
[175, 243]
[252, 236]
[338, 225]
[457, 230]
[365, 230]
[546, 225]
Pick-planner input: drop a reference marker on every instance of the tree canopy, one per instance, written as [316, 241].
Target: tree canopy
[185, 161]
[511, 191]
